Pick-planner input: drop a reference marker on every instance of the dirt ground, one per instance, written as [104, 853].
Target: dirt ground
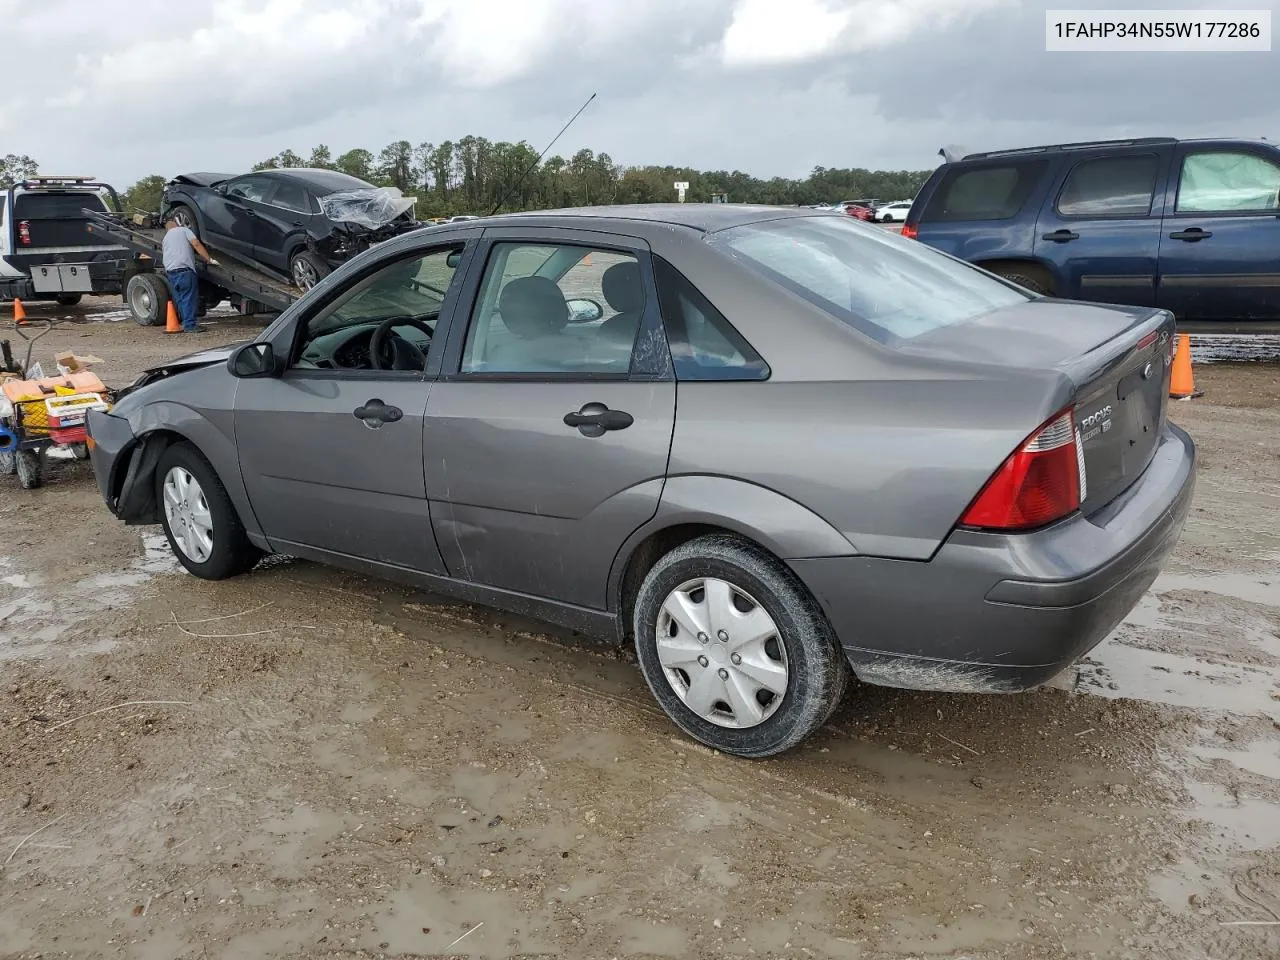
[305, 763]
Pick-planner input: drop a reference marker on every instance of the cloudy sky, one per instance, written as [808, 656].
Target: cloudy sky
[125, 88]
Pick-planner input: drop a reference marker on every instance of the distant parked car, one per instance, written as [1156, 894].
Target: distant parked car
[857, 210]
[1192, 226]
[298, 222]
[893, 212]
[784, 449]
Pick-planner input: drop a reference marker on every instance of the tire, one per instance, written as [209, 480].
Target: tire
[307, 270]
[218, 548]
[30, 469]
[1029, 277]
[80, 451]
[803, 655]
[69, 299]
[147, 295]
[186, 217]
[8, 464]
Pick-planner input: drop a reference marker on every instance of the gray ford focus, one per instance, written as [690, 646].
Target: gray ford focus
[776, 448]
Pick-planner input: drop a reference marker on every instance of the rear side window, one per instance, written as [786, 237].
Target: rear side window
[984, 193]
[1110, 187]
[704, 345]
[888, 288]
[55, 206]
[291, 196]
[1220, 181]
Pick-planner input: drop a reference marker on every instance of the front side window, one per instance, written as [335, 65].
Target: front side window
[1110, 187]
[985, 193]
[249, 188]
[555, 309]
[1218, 181]
[887, 287]
[385, 321]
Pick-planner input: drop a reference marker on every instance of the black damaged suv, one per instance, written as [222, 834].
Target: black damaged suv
[298, 222]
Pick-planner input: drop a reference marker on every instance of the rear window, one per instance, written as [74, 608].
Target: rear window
[55, 206]
[984, 193]
[877, 282]
[1110, 187]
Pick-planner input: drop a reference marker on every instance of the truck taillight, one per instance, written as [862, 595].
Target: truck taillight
[1042, 481]
[909, 231]
[24, 233]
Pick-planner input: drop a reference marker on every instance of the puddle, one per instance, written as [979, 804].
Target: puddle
[1246, 822]
[1263, 591]
[1262, 757]
[1119, 671]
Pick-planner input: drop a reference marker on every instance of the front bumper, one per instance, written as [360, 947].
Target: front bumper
[1000, 612]
[123, 467]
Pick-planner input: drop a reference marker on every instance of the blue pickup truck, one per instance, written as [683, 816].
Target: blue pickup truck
[1189, 225]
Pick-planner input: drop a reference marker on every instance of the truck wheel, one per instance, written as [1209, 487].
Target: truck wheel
[8, 464]
[1027, 275]
[69, 299]
[30, 469]
[307, 270]
[147, 295]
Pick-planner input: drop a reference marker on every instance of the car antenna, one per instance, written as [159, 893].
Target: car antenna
[502, 198]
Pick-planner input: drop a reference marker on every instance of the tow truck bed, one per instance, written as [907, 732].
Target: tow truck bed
[250, 290]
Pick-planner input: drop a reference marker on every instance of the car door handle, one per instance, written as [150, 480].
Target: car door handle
[595, 418]
[1191, 235]
[249, 213]
[375, 413]
[1061, 236]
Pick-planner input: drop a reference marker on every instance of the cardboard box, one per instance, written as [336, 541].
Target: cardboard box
[68, 363]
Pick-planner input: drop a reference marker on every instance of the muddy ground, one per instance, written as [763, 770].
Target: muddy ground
[304, 763]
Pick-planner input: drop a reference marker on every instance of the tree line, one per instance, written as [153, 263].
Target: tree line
[476, 175]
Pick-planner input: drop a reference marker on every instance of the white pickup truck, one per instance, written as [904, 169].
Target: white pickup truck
[46, 252]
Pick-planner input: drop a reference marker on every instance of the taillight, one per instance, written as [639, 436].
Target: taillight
[1043, 481]
[909, 231]
[24, 233]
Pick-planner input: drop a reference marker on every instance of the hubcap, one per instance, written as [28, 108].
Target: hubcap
[304, 275]
[184, 219]
[140, 299]
[721, 653]
[187, 513]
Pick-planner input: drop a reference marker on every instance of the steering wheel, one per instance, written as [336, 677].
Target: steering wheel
[388, 352]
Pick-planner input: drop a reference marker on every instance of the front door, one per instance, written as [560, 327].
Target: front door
[1100, 228]
[1220, 242]
[548, 434]
[331, 450]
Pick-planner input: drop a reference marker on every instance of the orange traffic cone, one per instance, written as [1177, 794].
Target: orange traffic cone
[19, 313]
[1182, 384]
[171, 322]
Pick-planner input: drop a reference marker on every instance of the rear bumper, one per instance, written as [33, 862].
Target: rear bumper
[1002, 613]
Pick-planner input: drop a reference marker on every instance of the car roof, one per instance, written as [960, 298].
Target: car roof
[1109, 145]
[319, 178]
[703, 217]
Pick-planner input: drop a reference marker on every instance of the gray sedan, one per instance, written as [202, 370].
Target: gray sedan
[777, 448]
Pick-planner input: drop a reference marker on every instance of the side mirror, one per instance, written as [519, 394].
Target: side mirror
[584, 310]
[453, 259]
[252, 360]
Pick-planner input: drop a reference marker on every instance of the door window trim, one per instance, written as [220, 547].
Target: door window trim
[292, 334]
[650, 354]
[1272, 157]
[1150, 214]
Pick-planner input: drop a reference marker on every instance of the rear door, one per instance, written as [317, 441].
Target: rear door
[1099, 227]
[1220, 239]
[278, 220]
[547, 440]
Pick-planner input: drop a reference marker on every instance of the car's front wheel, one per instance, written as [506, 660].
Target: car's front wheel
[734, 648]
[199, 519]
[307, 269]
[186, 217]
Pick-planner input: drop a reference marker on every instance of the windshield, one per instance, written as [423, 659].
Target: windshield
[883, 285]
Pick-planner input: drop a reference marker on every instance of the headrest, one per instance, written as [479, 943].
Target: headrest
[623, 288]
[533, 307]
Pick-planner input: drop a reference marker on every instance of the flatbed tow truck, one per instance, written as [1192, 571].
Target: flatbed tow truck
[146, 292]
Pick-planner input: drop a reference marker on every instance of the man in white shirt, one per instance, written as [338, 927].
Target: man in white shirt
[180, 249]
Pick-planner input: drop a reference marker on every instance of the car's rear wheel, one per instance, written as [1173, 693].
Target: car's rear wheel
[186, 217]
[307, 269]
[199, 519]
[1029, 276]
[147, 296]
[735, 649]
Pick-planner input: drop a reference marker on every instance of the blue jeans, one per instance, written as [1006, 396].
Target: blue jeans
[185, 287]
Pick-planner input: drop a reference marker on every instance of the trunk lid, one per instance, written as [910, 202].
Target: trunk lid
[1118, 359]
